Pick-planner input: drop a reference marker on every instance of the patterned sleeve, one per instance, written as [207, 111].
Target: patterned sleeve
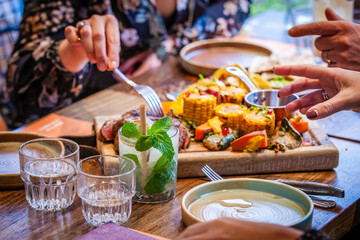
[313, 234]
[196, 21]
[37, 82]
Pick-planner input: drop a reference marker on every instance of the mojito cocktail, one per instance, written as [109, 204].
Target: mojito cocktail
[155, 155]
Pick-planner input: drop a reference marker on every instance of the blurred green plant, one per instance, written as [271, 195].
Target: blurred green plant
[259, 6]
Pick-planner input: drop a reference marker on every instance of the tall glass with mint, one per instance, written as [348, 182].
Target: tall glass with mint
[155, 155]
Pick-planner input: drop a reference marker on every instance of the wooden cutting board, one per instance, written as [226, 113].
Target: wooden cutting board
[320, 157]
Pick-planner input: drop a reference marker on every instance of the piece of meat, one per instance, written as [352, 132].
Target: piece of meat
[109, 130]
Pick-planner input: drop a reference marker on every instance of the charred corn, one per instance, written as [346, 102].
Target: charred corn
[231, 114]
[231, 95]
[199, 108]
[259, 118]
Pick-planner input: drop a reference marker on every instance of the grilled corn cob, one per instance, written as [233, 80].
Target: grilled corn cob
[231, 114]
[231, 95]
[199, 108]
[259, 118]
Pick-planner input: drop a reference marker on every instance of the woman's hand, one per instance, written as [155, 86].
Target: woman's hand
[231, 228]
[341, 86]
[145, 61]
[100, 44]
[338, 40]
[140, 63]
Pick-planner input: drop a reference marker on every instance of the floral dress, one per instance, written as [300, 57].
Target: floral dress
[38, 83]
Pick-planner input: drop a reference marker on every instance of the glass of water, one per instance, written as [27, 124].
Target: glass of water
[48, 169]
[106, 185]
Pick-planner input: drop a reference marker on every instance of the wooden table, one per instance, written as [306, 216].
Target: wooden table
[19, 220]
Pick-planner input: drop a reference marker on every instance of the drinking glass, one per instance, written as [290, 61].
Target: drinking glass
[344, 8]
[302, 14]
[48, 169]
[106, 185]
[155, 176]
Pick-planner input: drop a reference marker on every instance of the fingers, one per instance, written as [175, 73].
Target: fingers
[305, 102]
[99, 42]
[195, 229]
[112, 42]
[315, 28]
[332, 16]
[324, 43]
[71, 35]
[149, 63]
[298, 86]
[327, 108]
[87, 42]
[310, 71]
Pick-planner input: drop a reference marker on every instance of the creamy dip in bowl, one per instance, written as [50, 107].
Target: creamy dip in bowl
[248, 199]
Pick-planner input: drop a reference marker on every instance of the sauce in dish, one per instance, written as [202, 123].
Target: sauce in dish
[247, 205]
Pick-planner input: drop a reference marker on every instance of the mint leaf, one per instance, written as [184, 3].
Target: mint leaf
[156, 183]
[162, 174]
[161, 125]
[163, 143]
[144, 143]
[134, 158]
[131, 130]
[138, 167]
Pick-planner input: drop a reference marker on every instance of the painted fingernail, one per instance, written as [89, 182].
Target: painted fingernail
[278, 94]
[312, 114]
[113, 65]
[102, 66]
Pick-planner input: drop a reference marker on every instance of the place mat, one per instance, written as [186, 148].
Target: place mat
[112, 231]
[55, 125]
[343, 125]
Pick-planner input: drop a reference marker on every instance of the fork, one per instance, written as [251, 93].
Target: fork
[211, 173]
[146, 92]
[317, 201]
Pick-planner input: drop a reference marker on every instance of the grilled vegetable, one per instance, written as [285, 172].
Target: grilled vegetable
[199, 108]
[217, 142]
[260, 82]
[231, 114]
[215, 124]
[259, 118]
[228, 139]
[250, 142]
[201, 131]
[286, 137]
[231, 95]
[298, 124]
[212, 142]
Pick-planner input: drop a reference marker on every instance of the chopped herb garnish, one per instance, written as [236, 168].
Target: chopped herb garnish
[201, 76]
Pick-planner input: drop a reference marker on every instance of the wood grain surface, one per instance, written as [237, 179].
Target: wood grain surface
[19, 221]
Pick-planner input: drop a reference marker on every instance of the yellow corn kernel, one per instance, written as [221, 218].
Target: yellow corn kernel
[231, 114]
[199, 108]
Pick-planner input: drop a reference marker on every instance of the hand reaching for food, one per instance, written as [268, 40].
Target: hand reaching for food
[338, 40]
[96, 39]
[337, 90]
[232, 228]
